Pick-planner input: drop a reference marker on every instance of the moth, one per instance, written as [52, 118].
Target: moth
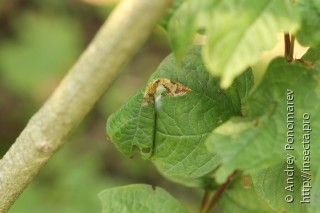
[170, 88]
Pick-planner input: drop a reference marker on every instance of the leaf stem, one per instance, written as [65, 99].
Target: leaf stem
[289, 47]
[205, 199]
[292, 40]
[207, 203]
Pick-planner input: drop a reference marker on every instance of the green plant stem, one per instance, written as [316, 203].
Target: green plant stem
[207, 203]
[114, 45]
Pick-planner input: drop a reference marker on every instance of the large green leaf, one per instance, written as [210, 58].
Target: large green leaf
[309, 34]
[239, 139]
[313, 57]
[171, 129]
[260, 141]
[139, 198]
[239, 31]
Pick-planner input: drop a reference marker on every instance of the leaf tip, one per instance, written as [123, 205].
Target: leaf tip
[225, 82]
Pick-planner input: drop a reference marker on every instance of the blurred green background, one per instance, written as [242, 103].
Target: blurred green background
[39, 42]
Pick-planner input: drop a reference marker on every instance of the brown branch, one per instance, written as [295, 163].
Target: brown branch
[205, 200]
[218, 193]
[114, 45]
[292, 41]
[289, 47]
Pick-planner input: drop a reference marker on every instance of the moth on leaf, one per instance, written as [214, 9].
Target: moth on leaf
[169, 119]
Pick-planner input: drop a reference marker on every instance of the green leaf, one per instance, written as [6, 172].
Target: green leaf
[239, 139]
[241, 197]
[259, 140]
[239, 31]
[187, 21]
[134, 126]
[312, 56]
[172, 128]
[139, 198]
[309, 33]
[164, 22]
[182, 28]
[271, 184]
[314, 206]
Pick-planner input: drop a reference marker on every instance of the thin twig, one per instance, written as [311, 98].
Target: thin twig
[292, 41]
[310, 64]
[287, 47]
[205, 199]
[218, 193]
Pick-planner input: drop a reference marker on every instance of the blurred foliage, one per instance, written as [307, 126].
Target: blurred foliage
[45, 46]
[39, 42]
